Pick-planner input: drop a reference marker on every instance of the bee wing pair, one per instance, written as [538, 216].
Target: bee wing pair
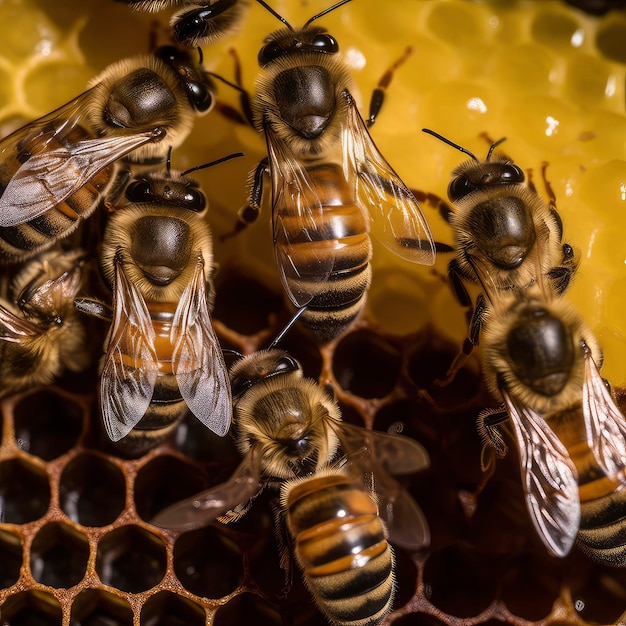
[51, 166]
[550, 476]
[380, 194]
[131, 363]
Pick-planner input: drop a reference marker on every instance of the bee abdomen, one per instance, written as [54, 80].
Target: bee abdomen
[341, 545]
[602, 533]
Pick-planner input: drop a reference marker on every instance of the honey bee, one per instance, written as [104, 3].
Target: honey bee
[289, 430]
[505, 235]
[162, 357]
[197, 23]
[41, 334]
[543, 361]
[329, 180]
[54, 170]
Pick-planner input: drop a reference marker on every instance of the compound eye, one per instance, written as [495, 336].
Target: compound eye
[200, 95]
[459, 188]
[286, 364]
[168, 54]
[195, 200]
[139, 191]
[239, 385]
[512, 174]
[270, 52]
[325, 43]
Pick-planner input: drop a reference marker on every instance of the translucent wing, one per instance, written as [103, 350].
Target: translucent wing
[199, 364]
[550, 479]
[130, 364]
[204, 508]
[604, 423]
[58, 165]
[397, 219]
[303, 260]
[14, 329]
[382, 453]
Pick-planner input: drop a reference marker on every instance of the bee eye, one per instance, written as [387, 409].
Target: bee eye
[239, 385]
[168, 54]
[195, 200]
[286, 364]
[511, 174]
[139, 191]
[200, 95]
[459, 188]
[325, 43]
[269, 52]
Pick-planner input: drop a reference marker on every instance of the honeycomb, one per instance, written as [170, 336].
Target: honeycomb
[76, 544]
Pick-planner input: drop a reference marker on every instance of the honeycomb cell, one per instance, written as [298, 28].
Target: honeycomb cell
[458, 583]
[164, 481]
[169, 609]
[197, 442]
[96, 607]
[131, 559]
[353, 359]
[458, 22]
[406, 578]
[10, 557]
[557, 29]
[410, 417]
[47, 424]
[590, 81]
[248, 608]
[58, 556]
[92, 491]
[419, 619]
[31, 608]
[24, 492]
[598, 594]
[208, 562]
[610, 39]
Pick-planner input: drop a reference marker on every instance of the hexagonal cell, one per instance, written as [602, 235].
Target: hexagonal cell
[195, 440]
[58, 556]
[243, 302]
[353, 364]
[163, 481]
[92, 490]
[31, 608]
[24, 492]
[458, 582]
[418, 619]
[247, 608]
[96, 607]
[556, 28]
[131, 559]
[10, 557]
[406, 578]
[168, 609]
[208, 563]
[610, 39]
[47, 424]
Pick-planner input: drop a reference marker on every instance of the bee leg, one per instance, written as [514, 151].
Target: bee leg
[487, 425]
[378, 95]
[470, 342]
[435, 201]
[244, 117]
[249, 212]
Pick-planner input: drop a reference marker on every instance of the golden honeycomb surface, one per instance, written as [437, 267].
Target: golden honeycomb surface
[76, 545]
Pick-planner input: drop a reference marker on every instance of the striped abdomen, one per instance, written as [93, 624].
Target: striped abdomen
[337, 286]
[341, 545]
[167, 407]
[25, 240]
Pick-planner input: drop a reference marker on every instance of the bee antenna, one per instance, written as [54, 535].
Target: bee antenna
[212, 163]
[494, 145]
[227, 82]
[200, 56]
[276, 15]
[454, 145]
[168, 161]
[325, 11]
[284, 331]
[232, 352]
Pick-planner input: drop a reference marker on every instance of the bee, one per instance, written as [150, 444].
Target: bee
[41, 334]
[540, 357]
[329, 180]
[53, 171]
[505, 235]
[289, 431]
[162, 357]
[198, 23]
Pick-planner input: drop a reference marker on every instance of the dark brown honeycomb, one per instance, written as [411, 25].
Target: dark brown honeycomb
[76, 544]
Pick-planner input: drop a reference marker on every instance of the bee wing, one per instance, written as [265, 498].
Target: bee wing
[199, 364]
[550, 478]
[604, 423]
[14, 329]
[296, 219]
[47, 178]
[130, 363]
[398, 220]
[382, 454]
[205, 507]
